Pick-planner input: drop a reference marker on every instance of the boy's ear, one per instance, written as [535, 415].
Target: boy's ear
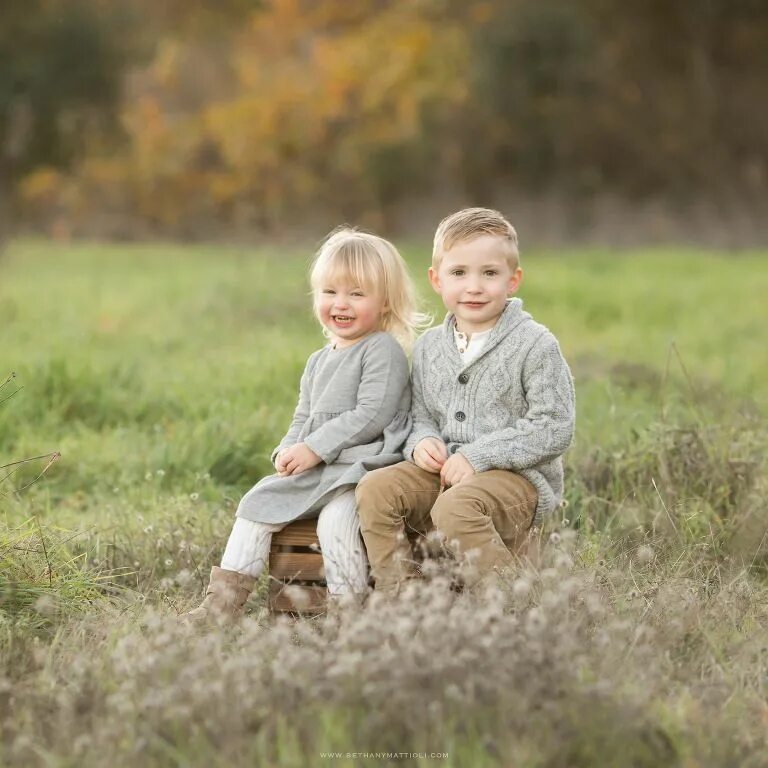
[514, 281]
[434, 279]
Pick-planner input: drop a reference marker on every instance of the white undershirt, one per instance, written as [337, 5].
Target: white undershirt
[470, 350]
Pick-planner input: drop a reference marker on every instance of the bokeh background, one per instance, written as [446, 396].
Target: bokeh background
[587, 120]
[167, 169]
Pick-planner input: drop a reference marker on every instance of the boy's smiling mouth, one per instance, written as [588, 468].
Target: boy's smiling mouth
[473, 304]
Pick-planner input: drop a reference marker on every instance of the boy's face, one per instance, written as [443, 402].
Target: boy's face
[474, 281]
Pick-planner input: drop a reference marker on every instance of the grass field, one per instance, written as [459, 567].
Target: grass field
[165, 374]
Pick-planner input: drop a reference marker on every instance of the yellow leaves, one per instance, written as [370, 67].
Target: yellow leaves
[482, 12]
[225, 188]
[147, 125]
[165, 67]
[305, 95]
[43, 183]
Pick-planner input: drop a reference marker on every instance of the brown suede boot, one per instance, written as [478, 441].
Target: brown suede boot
[225, 597]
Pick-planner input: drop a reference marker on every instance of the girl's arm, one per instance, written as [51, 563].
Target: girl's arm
[301, 413]
[384, 378]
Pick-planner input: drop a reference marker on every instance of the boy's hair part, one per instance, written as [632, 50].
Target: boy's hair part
[374, 264]
[470, 223]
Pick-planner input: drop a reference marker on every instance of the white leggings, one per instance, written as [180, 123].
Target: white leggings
[338, 529]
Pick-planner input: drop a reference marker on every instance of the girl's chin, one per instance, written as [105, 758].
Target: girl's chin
[347, 336]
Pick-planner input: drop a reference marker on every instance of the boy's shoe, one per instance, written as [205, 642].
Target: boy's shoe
[225, 598]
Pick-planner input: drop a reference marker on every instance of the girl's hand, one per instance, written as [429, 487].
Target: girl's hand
[430, 454]
[297, 459]
[280, 462]
[456, 469]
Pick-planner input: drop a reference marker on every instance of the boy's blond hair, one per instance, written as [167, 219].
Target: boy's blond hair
[470, 223]
[375, 265]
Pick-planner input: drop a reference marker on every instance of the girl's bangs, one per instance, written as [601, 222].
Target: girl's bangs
[349, 266]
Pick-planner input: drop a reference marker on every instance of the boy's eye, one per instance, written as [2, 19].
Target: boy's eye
[491, 272]
[457, 272]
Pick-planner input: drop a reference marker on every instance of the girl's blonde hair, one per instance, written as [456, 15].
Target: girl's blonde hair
[374, 264]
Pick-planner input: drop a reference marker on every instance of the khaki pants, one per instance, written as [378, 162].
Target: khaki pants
[484, 519]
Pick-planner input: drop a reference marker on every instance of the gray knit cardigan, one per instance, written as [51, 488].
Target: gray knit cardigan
[512, 408]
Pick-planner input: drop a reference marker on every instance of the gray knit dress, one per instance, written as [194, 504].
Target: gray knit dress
[353, 412]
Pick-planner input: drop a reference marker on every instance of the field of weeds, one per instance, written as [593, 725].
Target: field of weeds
[165, 374]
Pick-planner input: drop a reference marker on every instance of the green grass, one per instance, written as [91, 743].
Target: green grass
[186, 359]
[166, 374]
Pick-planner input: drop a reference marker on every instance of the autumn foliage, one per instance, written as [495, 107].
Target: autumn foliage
[272, 112]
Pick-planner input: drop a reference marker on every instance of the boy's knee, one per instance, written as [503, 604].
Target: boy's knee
[453, 508]
[377, 496]
[374, 486]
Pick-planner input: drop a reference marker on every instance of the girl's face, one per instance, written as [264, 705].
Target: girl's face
[349, 312]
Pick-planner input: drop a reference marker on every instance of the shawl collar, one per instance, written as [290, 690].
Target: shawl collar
[510, 318]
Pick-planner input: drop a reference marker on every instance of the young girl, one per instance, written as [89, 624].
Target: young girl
[352, 417]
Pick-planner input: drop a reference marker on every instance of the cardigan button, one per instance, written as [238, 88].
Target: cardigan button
[460, 415]
[464, 378]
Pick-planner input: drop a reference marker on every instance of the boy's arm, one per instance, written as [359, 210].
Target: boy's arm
[423, 424]
[301, 412]
[546, 430]
[384, 378]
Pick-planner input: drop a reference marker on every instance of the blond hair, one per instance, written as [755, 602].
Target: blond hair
[470, 223]
[373, 264]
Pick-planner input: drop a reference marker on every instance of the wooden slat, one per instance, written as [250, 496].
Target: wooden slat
[296, 599]
[302, 533]
[302, 566]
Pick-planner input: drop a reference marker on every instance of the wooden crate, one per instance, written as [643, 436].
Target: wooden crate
[297, 581]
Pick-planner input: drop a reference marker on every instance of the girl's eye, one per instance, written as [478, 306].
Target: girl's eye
[329, 291]
[357, 293]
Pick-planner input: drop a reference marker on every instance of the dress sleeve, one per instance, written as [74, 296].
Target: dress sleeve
[301, 413]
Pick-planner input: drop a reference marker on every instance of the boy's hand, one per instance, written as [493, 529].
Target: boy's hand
[456, 469]
[296, 459]
[430, 454]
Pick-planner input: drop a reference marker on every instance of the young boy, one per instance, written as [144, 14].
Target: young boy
[493, 411]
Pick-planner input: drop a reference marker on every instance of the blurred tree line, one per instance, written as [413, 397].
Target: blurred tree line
[60, 66]
[186, 117]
